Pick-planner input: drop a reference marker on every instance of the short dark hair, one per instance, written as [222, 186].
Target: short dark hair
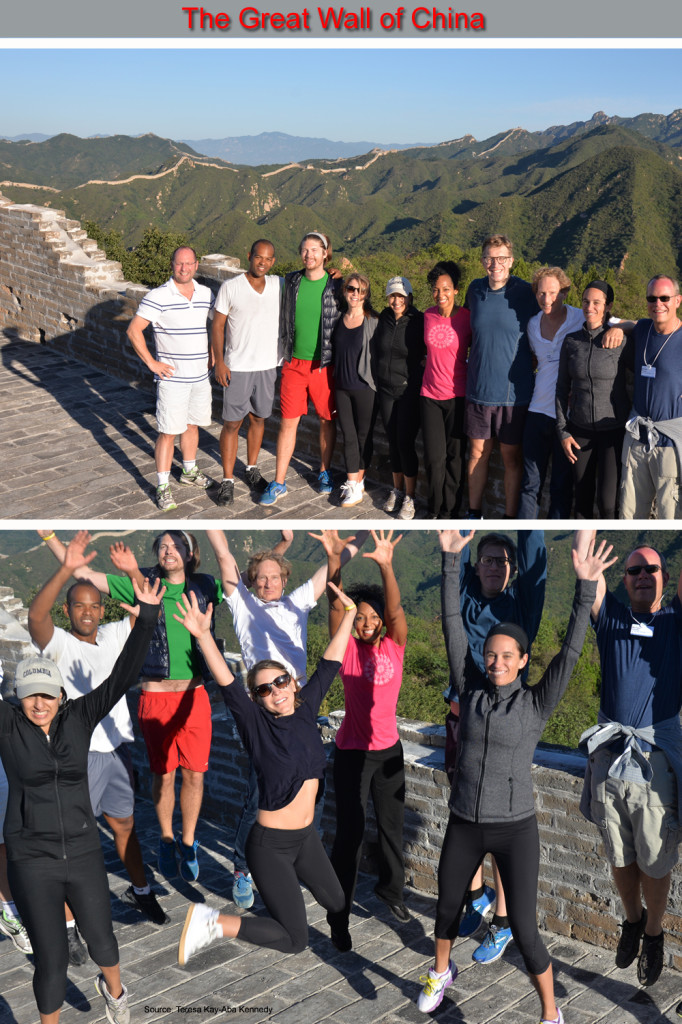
[81, 583]
[444, 267]
[499, 539]
[261, 241]
[370, 593]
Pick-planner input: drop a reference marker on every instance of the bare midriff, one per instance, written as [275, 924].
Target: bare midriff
[170, 685]
[297, 814]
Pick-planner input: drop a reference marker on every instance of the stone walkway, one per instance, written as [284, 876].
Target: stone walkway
[78, 443]
[377, 983]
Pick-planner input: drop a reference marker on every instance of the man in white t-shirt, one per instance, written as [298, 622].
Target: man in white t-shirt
[86, 657]
[244, 338]
[178, 312]
[269, 625]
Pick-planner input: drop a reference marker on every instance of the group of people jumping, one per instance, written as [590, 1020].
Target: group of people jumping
[490, 618]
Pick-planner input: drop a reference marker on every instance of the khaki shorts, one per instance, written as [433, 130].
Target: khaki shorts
[638, 821]
[649, 475]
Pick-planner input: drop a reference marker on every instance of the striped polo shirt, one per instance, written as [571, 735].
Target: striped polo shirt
[180, 329]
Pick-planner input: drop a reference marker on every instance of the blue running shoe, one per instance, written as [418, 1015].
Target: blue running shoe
[493, 945]
[476, 912]
[168, 865]
[272, 492]
[189, 865]
[324, 482]
[242, 890]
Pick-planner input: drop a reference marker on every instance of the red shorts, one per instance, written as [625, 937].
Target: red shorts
[176, 729]
[303, 380]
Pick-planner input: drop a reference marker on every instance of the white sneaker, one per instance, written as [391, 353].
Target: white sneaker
[352, 493]
[407, 510]
[557, 1020]
[201, 929]
[116, 1010]
[431, 996]
[14, 929]
[393, 501]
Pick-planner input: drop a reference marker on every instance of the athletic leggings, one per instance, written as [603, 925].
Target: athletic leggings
[597, 470]
[445, 454]
[402, 422]
[356, 412]
[40, 886]
[516, 848]
[279, 859]
[356, 774]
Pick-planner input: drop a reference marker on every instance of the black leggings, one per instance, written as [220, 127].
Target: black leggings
[356, 774]
[597, 470]
[402, 421]
[279, 859]
[445, 454]
[356, 411]
[515, 846]
[40, 887]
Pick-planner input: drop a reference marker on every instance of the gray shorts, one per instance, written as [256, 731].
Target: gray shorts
[638, 821]
[111, 782]
[249, 391]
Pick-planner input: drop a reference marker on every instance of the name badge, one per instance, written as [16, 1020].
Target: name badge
[641, 629]
[648, 371]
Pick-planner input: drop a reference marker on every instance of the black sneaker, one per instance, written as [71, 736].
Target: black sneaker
[628, 944]
[651, 960]
[225, 495]
[340, 935]
[147, 903]
[78, 954]
[397, 908]
[255, 480]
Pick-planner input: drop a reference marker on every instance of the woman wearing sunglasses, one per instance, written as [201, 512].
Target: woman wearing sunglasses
[354, 384]
[277, 723]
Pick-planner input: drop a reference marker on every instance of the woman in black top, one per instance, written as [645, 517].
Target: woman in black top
[593, 404]
[278, 727]
[491, 804]
[399, 354]
[354, 385]
[53, 847]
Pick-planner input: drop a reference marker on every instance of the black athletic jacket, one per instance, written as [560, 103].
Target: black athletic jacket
[48, 810]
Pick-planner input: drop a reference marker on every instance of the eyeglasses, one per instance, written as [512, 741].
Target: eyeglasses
[497, 560]
[635, 570]
[489, 260]
[658, 298]
[352, 288]
[263, 689]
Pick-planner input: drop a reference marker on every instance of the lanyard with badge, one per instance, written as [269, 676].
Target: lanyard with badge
[649, 369]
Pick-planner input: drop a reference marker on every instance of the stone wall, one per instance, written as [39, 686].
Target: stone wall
[57, 288]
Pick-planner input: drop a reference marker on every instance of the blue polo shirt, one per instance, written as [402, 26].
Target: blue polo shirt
[658, 397]
[500, 362]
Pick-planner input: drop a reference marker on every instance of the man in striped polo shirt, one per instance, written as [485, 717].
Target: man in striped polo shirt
[178, 312]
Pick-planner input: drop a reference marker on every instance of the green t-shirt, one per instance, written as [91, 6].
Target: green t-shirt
[183, 655]
[308, 319]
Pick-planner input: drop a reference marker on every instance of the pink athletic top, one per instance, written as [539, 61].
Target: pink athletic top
[371, 679]
[447, 340]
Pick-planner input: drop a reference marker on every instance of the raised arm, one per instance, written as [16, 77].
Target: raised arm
[351, 547]
[336, 648]
[452, 544]
[334, 546]
[40, 624]
[123, 559]
[229, 570]
[83, 572]
[384, 546]
[532, 578]
[199, 625]
[582, 540]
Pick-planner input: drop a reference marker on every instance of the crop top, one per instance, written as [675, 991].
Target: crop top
[286, 749]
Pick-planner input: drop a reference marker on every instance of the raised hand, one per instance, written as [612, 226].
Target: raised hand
[122, 558]
[145, 594]
[193, 619]
[384, 546]
[332, 544]
[452, 541]
[74, 556]
[594, 563]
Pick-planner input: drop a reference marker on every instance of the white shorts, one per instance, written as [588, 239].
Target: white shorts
[180, 405]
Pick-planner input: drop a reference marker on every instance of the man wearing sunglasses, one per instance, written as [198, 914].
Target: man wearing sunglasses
[633, 781]
[652, 450]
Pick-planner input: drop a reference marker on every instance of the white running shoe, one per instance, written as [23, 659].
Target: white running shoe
[407, 509]
[117, 1010]
[393, 501]
[201, 929]
[352, 493]
[431, 996]
[14, 929]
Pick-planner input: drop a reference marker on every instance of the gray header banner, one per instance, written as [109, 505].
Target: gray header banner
[285, 20]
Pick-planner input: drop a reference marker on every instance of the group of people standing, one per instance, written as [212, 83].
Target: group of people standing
[58, 782]
[552, 386]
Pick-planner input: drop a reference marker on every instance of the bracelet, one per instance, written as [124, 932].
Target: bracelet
[50, 536]
[349, 607]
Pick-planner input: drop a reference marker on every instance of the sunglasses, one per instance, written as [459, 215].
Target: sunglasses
[354, 288]
[281, 682]
[635, 570]
[658, 298]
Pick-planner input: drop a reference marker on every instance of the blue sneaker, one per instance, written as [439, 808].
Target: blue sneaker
[189, 865]
[324, 482]
[242, 890]
[493, 945]
[272, 492]
[476, 912]
[168, 865]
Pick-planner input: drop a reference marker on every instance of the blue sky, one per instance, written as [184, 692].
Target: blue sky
[387, 95]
